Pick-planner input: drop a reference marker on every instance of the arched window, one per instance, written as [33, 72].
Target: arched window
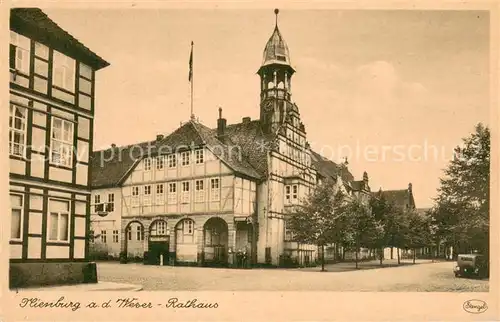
[270, 85]
[281, 85]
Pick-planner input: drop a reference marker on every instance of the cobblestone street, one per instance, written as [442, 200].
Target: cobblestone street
[428, 277]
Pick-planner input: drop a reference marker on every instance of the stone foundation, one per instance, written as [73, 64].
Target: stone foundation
[39, 274]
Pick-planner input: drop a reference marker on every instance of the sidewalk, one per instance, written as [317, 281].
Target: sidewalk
[100, 286]
[374, 264]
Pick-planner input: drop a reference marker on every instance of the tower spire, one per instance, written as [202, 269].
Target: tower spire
[276, 11]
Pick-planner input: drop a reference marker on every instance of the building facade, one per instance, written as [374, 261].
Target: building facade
[403, 200]
[52, 78]
[215, 196]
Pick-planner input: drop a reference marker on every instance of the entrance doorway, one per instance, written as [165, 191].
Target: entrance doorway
[215, 242]
[158, 253]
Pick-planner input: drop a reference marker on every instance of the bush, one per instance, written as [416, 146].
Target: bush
[123, 258]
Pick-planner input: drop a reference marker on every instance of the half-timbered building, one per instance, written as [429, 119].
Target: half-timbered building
[52, 86]
[205, 196]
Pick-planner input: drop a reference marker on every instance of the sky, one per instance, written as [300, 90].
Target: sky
[393, 91]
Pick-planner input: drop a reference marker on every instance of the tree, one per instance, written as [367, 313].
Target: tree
[360, 227]
[315, 221]
[462, 207]
[382, 213]
[418, 234]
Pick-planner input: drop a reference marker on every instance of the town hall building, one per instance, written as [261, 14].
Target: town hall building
[212, 196]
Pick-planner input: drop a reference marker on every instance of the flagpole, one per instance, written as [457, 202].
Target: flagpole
[192, 81]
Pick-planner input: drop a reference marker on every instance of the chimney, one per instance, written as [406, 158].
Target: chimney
[221, 125]
[365, 177]
[159, 137]
[410, 187]
[246, 120]
[113, 145]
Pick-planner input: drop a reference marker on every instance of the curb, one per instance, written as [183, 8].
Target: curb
[134, 289]
[363, 269]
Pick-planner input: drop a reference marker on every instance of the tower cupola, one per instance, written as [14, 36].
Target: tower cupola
[276, 70]
[276, 50]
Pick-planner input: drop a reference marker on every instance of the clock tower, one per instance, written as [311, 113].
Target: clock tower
[275, 82]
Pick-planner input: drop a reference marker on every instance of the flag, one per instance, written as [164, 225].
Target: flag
[191, 63]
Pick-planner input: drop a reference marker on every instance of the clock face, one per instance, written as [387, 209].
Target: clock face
[268, 106]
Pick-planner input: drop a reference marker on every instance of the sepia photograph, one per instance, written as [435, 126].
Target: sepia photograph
[267, 149]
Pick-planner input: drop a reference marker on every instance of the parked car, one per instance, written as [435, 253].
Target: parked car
[471, 265]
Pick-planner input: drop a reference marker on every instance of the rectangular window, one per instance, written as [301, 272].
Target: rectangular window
[199, 156]
[287, 193]
[159, 163]
[172, 161]
[140, 233]
[185, 158]
[185, 192]
[17, 130]
[16, 206]
[129, 233]
[110, 207]
[187, 227]
[135, 197]
[199, 191]
[115, 236]
[63, 72]
[160, 197]
[214, 189]
[146, 199]
[20, 50]
[104, 238]
[61, 142]
[162, 228]
[97, 203]
[147, 164]
[58, 220]
[295, 192]
[172, 193]
[91, 236]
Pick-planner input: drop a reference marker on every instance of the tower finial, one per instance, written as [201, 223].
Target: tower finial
[276, 11]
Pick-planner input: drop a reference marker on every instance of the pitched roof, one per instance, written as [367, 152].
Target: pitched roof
[357, 185]
[234, 158]
[400, 198]
[110, 167]
[328, 168]
[35, 24]
[253, 142]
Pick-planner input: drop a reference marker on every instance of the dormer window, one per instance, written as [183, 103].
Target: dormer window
[280, 58]
[147, 164]
[199, 156]
[185, 158]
